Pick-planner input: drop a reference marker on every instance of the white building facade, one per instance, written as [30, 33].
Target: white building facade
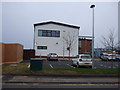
[55, 37]
[119, 24]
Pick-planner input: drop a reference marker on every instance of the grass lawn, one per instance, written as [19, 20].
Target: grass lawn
[22, 68]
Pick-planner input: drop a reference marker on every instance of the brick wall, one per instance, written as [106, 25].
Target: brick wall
[85, 46]
[28, 53]
[11, 52]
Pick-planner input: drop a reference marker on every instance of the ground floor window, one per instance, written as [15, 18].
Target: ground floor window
[42, 47]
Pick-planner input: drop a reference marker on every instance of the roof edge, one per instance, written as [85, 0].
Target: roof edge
[58, 23]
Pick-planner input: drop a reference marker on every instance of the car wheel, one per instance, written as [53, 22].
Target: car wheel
[107, 59]
[90, 66]
[73, 65]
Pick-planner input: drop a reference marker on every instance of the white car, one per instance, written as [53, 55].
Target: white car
[104, 56]
[117, 57]
[52, 57]
[111, 56]
[82, 60]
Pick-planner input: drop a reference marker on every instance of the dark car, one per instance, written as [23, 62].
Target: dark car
[52, 57]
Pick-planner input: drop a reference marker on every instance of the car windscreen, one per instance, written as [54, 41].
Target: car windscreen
[118, 55]
[53, 54]
[85, 57]
[112, 55]
[105, 55]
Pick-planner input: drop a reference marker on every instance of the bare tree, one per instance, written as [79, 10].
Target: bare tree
[109, 43]
[118, 47]
[69, 40]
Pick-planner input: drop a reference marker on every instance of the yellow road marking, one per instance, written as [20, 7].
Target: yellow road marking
[89, 84]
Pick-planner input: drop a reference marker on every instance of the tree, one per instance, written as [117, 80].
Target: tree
[118, 47]
[69, 40]
[109, 43]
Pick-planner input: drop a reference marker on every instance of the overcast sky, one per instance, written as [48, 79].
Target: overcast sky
[18, 19]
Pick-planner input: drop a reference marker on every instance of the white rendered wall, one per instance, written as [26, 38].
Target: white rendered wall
[50, 42]
[119, 23]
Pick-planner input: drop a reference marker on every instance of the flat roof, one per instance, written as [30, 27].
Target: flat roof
[12, 43]
[58, 23]
[85, 37]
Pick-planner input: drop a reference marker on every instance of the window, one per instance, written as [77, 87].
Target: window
[53, 33]
[44, 33]
[42, 47]
[39, 32]
[85, 57]
[57, 33]
[48, 33]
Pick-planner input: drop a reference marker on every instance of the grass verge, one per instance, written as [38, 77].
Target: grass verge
[22, 68]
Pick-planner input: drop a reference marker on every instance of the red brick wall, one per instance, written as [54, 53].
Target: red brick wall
[19, 52]
[85, 46]
[1, 52]
[28, 53]
[12, 53]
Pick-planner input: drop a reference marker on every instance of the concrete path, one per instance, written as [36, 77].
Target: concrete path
[52, 80]
[59, 82]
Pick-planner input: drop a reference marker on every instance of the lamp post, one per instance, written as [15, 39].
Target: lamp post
[92, 6]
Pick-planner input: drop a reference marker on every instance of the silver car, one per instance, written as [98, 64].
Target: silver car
[82, 60]
[111, 57]
[104, 57]
[52, 57]
[117, 57]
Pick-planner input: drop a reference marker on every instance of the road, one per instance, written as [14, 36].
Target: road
[59, 82]
[106, 64]
[68, 64]
[64, 86]
[57, 64]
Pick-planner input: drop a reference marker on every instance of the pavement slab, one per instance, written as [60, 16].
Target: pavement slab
[41, 79]
[59, 82]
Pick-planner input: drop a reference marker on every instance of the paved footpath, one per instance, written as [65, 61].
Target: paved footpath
[46, 79]
[10, 81]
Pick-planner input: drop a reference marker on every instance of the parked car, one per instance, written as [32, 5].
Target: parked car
[52, 57]
[117, 57]
[104, 56]
[82, 60]
[111, 57]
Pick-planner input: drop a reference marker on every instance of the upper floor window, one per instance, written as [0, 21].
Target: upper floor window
[39, 33]
[48, 33]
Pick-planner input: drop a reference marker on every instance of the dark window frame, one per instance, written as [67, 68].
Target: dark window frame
[49, 33]
[42, 47]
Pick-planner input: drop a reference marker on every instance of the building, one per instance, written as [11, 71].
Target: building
[11, 52]
[1, 53]
[28, 54]
[85, 44]
[97, 52]
[55, 37]
[119, 26]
